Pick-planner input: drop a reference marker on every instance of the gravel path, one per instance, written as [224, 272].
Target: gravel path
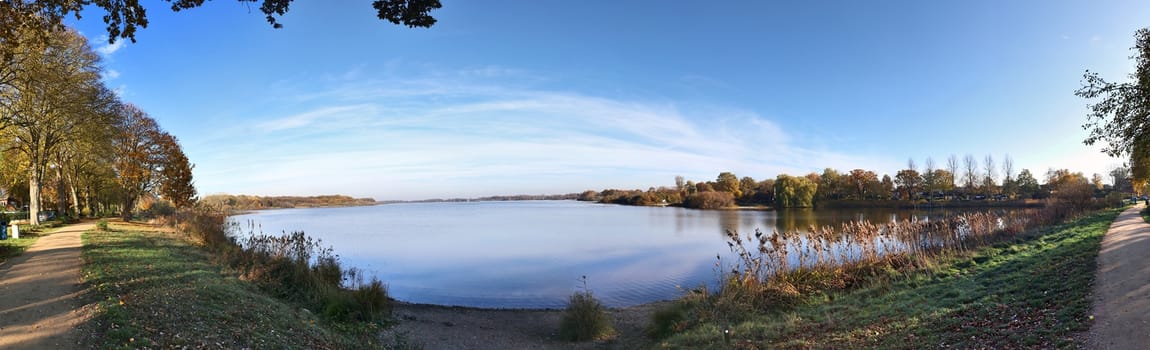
[39, 293]
[1122, 288]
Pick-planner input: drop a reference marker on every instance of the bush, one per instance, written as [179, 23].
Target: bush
[293, 267]
[710, 200]
[668, 321]
[102, 225]
[585, 319]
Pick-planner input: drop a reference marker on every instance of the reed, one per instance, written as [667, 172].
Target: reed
[292, 266]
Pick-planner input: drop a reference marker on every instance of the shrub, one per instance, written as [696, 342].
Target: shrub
[585, 319]
[668, 321]
[102, 225]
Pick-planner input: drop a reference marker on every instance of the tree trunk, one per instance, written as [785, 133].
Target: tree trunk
[34, 195]
[126, 211]
[76, 212]
[61, 195]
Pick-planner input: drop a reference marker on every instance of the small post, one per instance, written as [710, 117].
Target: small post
[15, 230]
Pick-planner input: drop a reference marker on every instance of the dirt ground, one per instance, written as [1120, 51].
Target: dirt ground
[1122, 289]
[440, 327]
[40, 293]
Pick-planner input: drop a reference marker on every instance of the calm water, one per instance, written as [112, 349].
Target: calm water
[531, 254]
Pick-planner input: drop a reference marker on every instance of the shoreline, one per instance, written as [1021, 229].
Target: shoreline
[459, 327]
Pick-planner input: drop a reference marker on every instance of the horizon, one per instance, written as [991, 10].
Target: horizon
[533, 98]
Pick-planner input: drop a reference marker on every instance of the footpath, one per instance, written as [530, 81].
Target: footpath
[1122, 285]
[39, 293]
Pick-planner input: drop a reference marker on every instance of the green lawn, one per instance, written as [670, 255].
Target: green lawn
[1029, 293]
[156, 290]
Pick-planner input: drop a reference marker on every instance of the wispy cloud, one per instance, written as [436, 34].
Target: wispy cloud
[107, 50]
[417, 138]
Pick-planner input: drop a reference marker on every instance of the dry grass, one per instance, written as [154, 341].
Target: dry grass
[774, 273]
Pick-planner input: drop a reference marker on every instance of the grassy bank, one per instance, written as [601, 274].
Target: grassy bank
[158, 290]
[1028, 292]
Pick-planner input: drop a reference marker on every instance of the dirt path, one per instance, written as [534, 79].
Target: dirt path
[39, 290]
[1122, 288]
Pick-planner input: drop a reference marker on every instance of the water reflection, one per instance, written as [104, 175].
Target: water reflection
[530, 254]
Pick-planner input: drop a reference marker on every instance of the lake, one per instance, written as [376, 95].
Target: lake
[532, 254]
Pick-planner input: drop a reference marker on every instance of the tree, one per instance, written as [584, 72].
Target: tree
[861, 181]
[794, 191]
[970, 172]
[1096, 180]
[176, 183]
[747, 186]
[1120, 176]
[124, 17]
[1120, 118]
[929, 183]
[1009, 187]
[1027, 184]
[52, 98]
[887, 187]
[680, 183]
[829, 185]
[728, 182]
[139, 156]
[765, 193]
[952, 167]
[989, 176]
[943, 180]
[907, 182]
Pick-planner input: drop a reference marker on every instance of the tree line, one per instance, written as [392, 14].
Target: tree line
[70, 142]
[230, 202]
[958, 179]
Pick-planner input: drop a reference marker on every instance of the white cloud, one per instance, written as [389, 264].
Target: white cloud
[111, 74]
[107, 50]
[410, 139]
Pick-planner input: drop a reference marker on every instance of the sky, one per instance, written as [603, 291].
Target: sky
[535, 97]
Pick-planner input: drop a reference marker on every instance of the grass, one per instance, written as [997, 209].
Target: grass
[1031, 291]
[158, 290]
[12, 247]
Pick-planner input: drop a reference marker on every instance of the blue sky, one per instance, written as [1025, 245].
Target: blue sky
[529, 97]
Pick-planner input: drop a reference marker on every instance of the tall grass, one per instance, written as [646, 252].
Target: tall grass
[293, 267]
[776, 271]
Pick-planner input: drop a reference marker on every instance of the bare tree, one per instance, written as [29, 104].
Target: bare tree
[970, 174]
[990, 176]
[1009, 185]
[952, 167]
[910, 164]
[1007, 168]
[929, 179]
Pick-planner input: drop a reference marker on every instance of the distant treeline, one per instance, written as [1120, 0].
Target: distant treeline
[521, 197]
[965, 183]
[246, 202]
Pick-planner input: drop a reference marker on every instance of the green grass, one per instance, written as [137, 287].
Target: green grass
[11, 247]
[1032, 292]
[157, 290]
